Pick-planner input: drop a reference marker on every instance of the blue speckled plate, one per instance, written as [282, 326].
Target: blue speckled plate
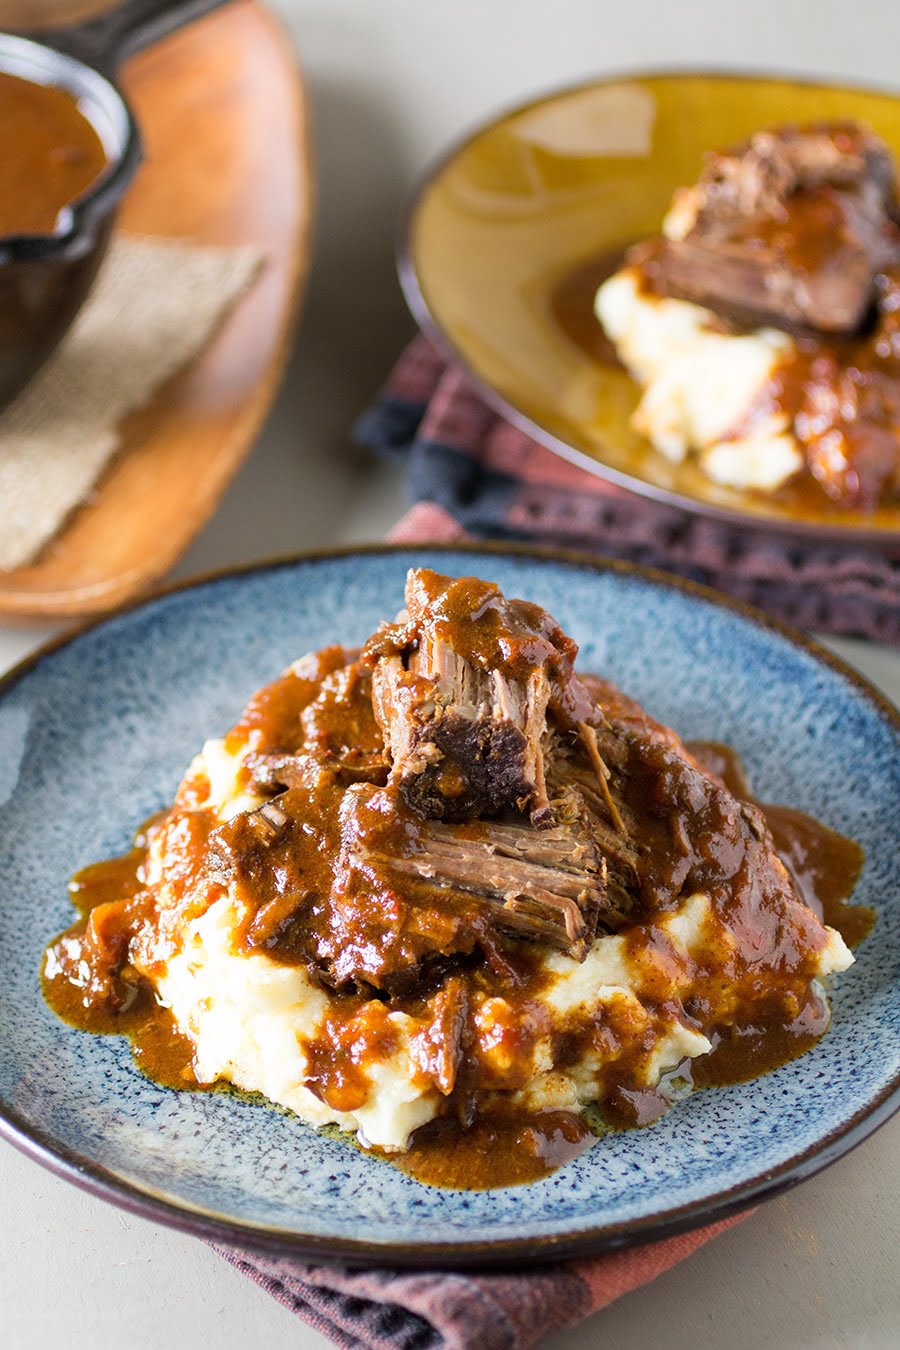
[94, 735]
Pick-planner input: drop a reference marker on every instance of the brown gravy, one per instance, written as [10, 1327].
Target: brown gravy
[755, 1045]
[825, 865]
[50, 154]
[841, 398]
[497, 1150]
[88, 982]
[572, 306]
[159, 1049]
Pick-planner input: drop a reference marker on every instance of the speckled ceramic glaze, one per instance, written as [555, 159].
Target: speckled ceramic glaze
[94, 737]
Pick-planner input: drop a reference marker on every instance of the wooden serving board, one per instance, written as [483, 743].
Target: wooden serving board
[226, 135]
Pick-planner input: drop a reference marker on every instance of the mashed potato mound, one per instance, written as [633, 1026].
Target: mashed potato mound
[701, 386]
[252, 1019]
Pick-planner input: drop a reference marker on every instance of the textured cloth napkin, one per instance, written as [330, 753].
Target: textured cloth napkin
[473, 475]
[443, 1310]
[155, 303]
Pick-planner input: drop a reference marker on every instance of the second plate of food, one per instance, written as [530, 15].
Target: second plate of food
[512, 233]
[95, 736]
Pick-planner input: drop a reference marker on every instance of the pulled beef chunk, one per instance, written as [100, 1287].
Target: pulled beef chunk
[433, 889]
[756, 177]
[257, 853]
[280, 770]
[437, 1050]
[462, 685]
[275, 769]
[546, 884]
[571, 770]
[790, 229]
[688, 833]
[464, 742]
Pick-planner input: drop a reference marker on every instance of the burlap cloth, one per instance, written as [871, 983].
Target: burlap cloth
[154, 305]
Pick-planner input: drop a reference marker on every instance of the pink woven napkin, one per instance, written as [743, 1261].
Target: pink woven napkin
[443, 1310]
[471, 474]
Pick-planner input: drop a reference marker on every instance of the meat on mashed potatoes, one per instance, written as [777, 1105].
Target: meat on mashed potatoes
[762, 325]
[448, 877]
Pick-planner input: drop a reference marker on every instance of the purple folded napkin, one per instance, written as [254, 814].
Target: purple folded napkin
[444, 1310]
[473, 475]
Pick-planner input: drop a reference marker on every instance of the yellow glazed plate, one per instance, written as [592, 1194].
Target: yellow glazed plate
[510, 235]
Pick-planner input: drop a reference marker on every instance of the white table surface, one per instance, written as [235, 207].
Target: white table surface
[391, 82]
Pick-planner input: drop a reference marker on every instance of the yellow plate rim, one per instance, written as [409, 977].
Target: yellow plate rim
[830, 530]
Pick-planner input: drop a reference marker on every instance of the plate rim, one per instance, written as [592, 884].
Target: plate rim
[882, 540]
[97, 1180]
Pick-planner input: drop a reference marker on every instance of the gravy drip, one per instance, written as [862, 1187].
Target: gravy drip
[841, 399]
[50, 155]
[498, 1149]
[824, 865]
[87, 978]
[572, 306]
[321, 712]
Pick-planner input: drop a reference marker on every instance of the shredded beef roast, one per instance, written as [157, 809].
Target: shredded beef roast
[436, 888]
[350, 874]
[791, 229]
[463, 683]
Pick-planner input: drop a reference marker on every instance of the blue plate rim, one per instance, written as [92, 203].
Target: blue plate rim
[726, 1203]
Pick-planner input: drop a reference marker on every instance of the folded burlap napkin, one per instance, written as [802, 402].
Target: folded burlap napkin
[473, 475]
[154, 305]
